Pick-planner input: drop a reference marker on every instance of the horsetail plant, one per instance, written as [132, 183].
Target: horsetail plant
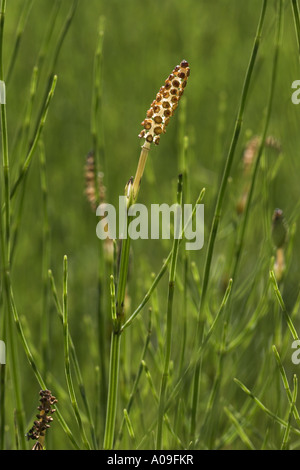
[44, 418]
[157, 119]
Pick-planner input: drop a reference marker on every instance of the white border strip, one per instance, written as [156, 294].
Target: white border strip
[2, 92]
[2, 353]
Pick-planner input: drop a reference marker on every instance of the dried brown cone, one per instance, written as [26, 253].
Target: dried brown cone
[94, 186]
[44, 419]
[249, 156]
[165, 104]
[250, 152]
[95, 192]
[252, 148]
[273, 143]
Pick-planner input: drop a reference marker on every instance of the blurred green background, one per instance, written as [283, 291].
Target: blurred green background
[143, 41]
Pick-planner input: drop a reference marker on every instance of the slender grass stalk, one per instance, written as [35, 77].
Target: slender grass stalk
[15, 375]
[67, 358]
[264, 408]
[231, 152]
[14, 314]
[285, 441]
[6, 169]
[37, 72]
[112, 392]
[222, 191]
[239, 428]
[249, 407]
[5, 230]
[152, 129]
[286, 385]
[191, 367]
[286, 337]
[184, 311]
[150, 381]
[74, 360]
[171, 289]
[45, 333]
[2, 390]
[263, 138]
[32, 149]
[24, 143]
[283, 307]
[162, 270]
[113, 374]
[57, 50]
[167, 422]
[138, 376]
[140, 170]
[102, 330]
[296, 14]
[6, 251]
[96, 108]
[129, 426]
[118, 314]
[208, 426]
[183, 143]
[19, 33]
[100, 164]
[23, 136]
[47, 40]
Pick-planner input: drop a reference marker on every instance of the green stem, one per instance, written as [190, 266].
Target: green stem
[57, 50]
[263, 139]
[112, 390]
[286, 384]
[122, 281]
[117, 311]
[191, 367]
[284, 445]
[165, 376]
[6, 252]
[32, 149]
[230, 156]
[283, 307]
[20, 29]
[264, 408]
[5, 247]
[96, 108]
[45, 332]
[296, 14]
[221, 194]
[162, 270]
[138, 376]
[74, 359]
[67, 358]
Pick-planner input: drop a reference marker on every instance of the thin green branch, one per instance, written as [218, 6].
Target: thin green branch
[67, 358]
[32, 149]
[171, 289]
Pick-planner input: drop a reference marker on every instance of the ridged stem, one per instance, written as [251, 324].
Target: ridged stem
[220, 200]
[169, 324]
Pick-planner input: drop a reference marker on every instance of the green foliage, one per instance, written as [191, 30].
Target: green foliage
[80, 76]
